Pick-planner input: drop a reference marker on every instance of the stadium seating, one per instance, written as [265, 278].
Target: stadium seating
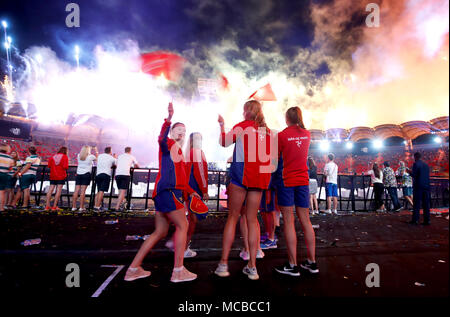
[436, 157]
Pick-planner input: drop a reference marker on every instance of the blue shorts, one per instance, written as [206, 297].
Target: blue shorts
[290, 196]
[83, 179]
[267, 201]
[4, 180]
[12, 183]
[26, 181]
[58, 182]
[331, 190]
[237, 183]
[103, 181]
[169, 200]
[407, 191]
[123, 181]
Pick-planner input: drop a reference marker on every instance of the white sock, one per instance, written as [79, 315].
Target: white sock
[133, 269]
[178, 269]
[291, 265]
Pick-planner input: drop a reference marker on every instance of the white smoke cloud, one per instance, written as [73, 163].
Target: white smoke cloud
[391, 74]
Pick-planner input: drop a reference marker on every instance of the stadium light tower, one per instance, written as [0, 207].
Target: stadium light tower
[8, 42]
[349, 145]
[438, 140]
[324, 145]
[377, 144]
[77, 56]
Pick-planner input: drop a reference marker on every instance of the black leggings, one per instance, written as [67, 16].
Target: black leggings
[378, 189]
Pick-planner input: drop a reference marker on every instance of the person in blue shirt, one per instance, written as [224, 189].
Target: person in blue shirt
[421, 190]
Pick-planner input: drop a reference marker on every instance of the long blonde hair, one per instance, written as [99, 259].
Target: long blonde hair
[85, 151]
[254, 108]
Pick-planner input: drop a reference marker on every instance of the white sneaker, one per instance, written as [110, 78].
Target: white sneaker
[244, 255]
[74, 209]
[182, 276]
[189, 253]
[259, 254]
[136, 273]
[335, 212]
[169, 245]
[222, 270]
[252, 273]
[328, 211]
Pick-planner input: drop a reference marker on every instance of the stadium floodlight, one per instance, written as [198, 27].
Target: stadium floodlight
[349, 145]
[438, 140]
[324, 145]
[5, 25]
[377, 144]
[9, 39]
[7, 45]
[39, 58]
[77, 55]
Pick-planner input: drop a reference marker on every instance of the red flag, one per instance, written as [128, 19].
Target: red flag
[264, 94]
[163, 63]
[223, 82]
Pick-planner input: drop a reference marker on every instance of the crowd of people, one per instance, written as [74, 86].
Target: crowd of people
[274, 181]
[437, 157]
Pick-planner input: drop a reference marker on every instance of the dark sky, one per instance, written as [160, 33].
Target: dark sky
[168, 24]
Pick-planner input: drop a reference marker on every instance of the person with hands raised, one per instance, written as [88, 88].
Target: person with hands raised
[171, 189]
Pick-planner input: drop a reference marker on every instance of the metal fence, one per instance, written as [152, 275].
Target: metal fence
[355, 191]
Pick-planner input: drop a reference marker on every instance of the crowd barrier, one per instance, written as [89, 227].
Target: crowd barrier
[355, 191]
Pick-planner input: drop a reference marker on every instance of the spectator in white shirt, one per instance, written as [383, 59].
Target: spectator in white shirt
[105, 163]
[84, 175]
[331, 174]
[124, 162]
[376, 177]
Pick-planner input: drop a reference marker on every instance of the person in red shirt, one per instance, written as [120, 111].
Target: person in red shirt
[171, 189]
[292, 183]
[197, 176]
[250, 173]
[58, 165]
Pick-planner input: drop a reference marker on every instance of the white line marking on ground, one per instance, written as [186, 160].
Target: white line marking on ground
[109, 279]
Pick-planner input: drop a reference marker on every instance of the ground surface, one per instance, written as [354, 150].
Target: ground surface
[405, 254]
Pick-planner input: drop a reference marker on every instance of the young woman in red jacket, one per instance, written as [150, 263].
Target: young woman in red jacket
[250, 173]
[58, 165]
[171, 188]
[197, 177]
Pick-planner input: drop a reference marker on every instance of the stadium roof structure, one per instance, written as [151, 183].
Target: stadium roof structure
[336, 134]
[409, 131]
[359, 133]
[94, 127]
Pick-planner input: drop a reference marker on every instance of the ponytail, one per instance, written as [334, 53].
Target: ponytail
[254, 108]
[294, 115]
[260, 120]
[376, 170]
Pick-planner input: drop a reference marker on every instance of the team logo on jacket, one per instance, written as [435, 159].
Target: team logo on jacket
[299, 143]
